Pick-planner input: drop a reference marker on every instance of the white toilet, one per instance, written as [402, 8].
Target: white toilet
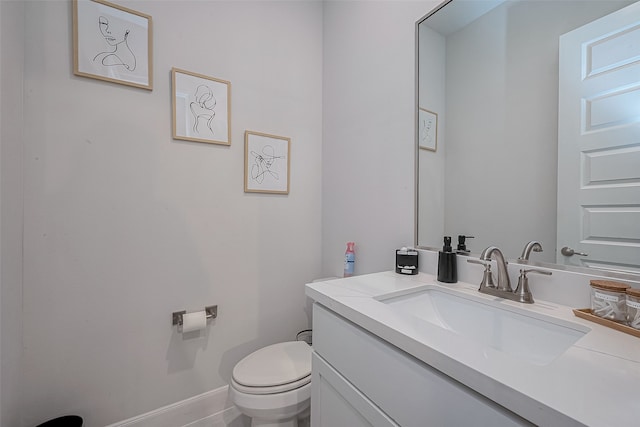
[273, 385]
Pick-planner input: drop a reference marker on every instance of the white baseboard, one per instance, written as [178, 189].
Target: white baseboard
[230, 417]
[209, 409]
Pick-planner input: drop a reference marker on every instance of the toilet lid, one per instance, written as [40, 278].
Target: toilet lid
[274, 365]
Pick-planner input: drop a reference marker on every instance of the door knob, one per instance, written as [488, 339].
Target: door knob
[567, 251]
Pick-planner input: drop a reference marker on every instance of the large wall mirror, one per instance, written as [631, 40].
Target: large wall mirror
[528, 128]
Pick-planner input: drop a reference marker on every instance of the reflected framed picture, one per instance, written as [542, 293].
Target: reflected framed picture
[112, 43]
[427, 129]
[201, 108]
[266, 163]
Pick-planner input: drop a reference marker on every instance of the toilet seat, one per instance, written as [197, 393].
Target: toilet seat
[277, 368]
[271, 389]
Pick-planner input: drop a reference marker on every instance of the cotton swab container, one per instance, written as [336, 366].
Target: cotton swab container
[609, 300]
[633, 307]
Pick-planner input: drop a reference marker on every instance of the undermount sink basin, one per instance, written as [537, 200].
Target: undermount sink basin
[527, 335]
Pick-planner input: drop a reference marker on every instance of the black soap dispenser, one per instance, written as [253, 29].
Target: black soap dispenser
[447, 263]
[462, 245]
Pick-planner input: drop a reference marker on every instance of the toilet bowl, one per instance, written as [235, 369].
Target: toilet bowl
[273, 385]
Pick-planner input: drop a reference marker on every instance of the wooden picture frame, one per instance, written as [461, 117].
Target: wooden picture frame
[427, 129]
[201, 108]
[112, 43]
[267, 160]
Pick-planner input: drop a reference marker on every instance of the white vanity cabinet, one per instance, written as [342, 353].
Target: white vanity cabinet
[361, 380]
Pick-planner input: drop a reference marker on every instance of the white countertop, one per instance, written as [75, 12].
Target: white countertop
[596, 382]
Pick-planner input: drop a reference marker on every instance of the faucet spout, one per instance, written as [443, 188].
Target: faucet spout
[503, 282]
[503, 286]
[534, 246]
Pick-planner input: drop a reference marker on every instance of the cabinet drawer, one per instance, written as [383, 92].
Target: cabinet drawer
[336, 402]
[409, 391]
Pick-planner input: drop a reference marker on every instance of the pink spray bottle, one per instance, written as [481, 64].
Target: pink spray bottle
[349, 260]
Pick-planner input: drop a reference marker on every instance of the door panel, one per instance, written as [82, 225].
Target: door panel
[599, 143]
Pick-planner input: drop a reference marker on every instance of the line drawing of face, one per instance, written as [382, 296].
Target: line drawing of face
[106, 33]
[263, 164]
[204, 97]
[119, 54]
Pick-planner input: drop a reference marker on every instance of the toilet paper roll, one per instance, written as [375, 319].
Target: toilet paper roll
[194, 321]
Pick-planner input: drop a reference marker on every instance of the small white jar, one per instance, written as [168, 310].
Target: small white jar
[633, 307]
[609, 300]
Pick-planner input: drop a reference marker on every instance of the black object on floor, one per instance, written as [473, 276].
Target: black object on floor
[66, 421]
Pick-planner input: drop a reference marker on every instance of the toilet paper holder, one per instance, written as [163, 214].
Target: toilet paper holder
[211, 312]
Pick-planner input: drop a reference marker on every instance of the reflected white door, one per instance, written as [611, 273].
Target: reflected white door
[599, 143]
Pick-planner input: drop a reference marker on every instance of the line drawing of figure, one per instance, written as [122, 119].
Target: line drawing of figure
[121, 55]
[202, 107]
[263, 164]
[425, 132]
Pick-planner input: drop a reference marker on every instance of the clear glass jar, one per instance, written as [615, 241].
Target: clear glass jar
[633, 307]
[609, 300]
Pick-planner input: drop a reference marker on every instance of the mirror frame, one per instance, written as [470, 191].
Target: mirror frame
[546, 265]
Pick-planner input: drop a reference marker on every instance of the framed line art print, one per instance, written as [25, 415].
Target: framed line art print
[266, 163]
[112, 43]
[201, 108]
[427, 129]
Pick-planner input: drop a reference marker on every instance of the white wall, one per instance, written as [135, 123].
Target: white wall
[11, 72]
[124, 225]
[368, 131]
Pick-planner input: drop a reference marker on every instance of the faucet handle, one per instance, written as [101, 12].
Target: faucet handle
[522, 290]
[487, 276]
[534, 270]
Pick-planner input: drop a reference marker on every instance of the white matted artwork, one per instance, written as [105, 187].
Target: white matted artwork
[266, 163]
[201, 108]
[112, 43]
[427, 129]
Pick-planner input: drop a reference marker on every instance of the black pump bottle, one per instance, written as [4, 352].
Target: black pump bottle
[447, 265]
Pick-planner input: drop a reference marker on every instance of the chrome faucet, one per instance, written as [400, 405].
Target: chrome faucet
[503, 283]
[534, 246]
[503, 287]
